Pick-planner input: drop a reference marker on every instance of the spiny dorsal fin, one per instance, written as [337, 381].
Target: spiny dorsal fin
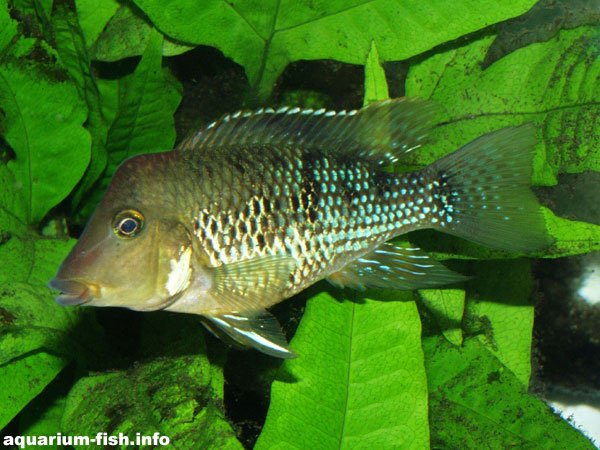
[381, 131]
[259, 330]
[395, 267]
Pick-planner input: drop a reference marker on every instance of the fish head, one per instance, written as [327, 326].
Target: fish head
[134, 252]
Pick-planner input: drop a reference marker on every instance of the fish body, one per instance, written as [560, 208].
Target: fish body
[258, 206]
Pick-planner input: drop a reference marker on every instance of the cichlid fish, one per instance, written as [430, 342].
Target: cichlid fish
[259, 205]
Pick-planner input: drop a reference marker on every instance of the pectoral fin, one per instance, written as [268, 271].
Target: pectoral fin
[253, 284]
[395, 267]
[259, 330]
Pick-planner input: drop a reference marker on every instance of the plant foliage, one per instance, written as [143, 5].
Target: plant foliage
[444, 368]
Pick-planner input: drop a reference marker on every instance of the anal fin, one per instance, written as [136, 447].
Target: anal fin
[259, 330]
[395, 267]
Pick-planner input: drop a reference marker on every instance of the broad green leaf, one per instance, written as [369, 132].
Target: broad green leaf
[539, 24]
[35, 343]
[552, 84]
[23, 379]
[499, 297]
[170, 391]
[34, 8]
[475, 399]
[36, 338]
[73, 54]
[140, 107]
[93, 15]
[42, 416]
[447, 306]
[42, 135]
[572, 237]
[265, 36]
[148, 99]
[359, 381]
[127, 34]
[375, 83]
[8, 29]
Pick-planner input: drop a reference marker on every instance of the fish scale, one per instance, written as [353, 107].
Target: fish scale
[260, 205]
[320, 210]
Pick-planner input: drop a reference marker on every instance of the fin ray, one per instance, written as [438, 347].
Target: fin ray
[252, 284]
[485, 192]
[395, 267]
[381, 131]
[259, 330]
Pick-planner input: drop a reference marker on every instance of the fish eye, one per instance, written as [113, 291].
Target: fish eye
[128, 223]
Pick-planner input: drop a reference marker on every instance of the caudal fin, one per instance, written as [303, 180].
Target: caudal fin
[484, 194]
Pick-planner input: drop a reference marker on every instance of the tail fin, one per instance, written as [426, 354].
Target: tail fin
[483, 192]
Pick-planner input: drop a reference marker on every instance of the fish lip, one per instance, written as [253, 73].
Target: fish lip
[72, 292]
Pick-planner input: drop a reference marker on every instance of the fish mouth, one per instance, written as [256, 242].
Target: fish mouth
[71, 292]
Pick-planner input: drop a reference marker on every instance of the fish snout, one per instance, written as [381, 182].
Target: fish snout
[71, 292]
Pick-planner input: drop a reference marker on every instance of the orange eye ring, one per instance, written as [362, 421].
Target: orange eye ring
[128, 223]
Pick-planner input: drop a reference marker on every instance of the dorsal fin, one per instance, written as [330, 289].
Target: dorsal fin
[381, 131]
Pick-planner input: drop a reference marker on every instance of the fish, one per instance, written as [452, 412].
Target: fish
[259, 205]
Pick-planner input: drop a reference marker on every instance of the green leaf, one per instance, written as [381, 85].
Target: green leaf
[572, 237]
[93, 15]
[265, 36]
[359, 381]
[140, 107]
[42, 136]
[170, 391]
[35, 340]
[127, 34]
[447, 306]
[23, 380]
[474, 399]
[35, 333]
[42, 417]
[148, 99]
[552, 84]
[375, 83]
[73, 54]
[8, 29]
[499, 297]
